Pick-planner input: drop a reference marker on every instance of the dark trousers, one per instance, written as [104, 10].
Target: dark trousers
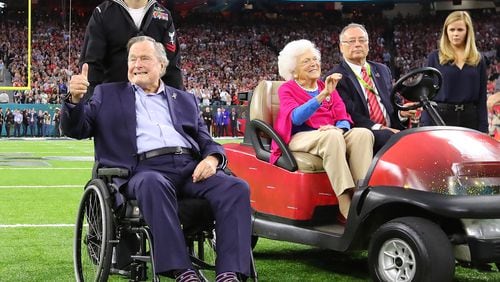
[234, 129]
[32, 129]
[209, 127]
[467, 118]
[157, 182]
[381, 138]
[220, 130]
[464, 115]
[39, 128]
[17, 129]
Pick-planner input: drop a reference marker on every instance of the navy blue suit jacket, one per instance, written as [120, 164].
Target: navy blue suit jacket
[110, 118]
[354, 97]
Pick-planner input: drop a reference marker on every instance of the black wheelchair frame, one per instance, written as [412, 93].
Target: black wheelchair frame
[102, 229]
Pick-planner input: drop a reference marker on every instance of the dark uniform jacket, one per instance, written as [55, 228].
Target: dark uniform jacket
[108, 32]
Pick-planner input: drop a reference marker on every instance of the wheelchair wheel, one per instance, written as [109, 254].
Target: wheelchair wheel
[93, 234]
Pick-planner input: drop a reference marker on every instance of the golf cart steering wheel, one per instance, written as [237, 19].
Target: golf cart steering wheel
[419, 85]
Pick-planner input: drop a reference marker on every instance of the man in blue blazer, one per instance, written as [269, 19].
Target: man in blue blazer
[155, 131]
[353, 89]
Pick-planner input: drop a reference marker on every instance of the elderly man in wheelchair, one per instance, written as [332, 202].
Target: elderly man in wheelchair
[152, 146]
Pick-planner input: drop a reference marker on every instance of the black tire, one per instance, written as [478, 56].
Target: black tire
[93, 231]
[410, 249]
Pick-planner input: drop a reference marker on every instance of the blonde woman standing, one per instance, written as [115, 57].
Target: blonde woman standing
[461, 100]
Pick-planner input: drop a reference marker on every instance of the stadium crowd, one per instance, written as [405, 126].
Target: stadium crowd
[223, 55]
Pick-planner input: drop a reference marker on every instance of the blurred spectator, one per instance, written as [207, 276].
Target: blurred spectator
[2, 117]
[207, 117]
[39, 123]
[2, 68]
[219, 123]
[32, 121]
[57, 122]
[225, 97]
[25, 113]
[233, 117]
[494, 108]
[4, 97]
[18, 121]
[9, 121]
[46, 124]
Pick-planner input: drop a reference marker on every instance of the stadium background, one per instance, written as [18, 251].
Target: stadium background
[226, 44]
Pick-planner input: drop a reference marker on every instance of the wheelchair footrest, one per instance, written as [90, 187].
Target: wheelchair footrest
[201, 264]
[141, 258]
[119, 272]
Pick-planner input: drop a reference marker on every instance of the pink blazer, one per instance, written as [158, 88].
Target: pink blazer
[291, 95]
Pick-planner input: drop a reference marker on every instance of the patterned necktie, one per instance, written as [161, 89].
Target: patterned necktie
[376, 114]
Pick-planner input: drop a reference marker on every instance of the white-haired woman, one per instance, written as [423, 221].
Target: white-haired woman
[313, 118]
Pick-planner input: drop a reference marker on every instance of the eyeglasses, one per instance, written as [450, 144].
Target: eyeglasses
[352, 41]
[307, 61]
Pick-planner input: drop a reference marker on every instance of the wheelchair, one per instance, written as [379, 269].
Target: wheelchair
[112, 240]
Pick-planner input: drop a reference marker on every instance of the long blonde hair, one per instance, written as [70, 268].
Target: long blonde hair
[446, 53]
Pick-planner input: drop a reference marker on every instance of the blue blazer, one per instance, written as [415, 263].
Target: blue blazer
[354, 97]
[109, 117]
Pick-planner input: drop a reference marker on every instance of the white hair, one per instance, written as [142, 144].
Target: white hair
[352, 25]
[287, 59]
[160, 52]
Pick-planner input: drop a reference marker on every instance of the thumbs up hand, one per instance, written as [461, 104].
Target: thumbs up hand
[79, 84]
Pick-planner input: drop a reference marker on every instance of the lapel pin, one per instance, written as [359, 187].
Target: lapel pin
[377, 74]
[174, 96]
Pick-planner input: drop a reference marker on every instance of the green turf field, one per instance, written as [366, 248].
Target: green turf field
[41, 184]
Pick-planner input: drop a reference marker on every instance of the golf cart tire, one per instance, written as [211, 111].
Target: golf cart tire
[411, 249]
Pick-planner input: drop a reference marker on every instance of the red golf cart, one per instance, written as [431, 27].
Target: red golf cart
[431, 196]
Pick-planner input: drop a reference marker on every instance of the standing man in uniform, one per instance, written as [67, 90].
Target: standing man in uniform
[112, 24]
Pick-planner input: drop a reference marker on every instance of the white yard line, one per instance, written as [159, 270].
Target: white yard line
[35, 225]
[40, 186]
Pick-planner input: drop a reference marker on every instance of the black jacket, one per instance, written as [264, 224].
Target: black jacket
[354, 97]
[108, 32]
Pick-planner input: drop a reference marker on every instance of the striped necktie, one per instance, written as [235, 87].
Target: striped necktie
[376, 114]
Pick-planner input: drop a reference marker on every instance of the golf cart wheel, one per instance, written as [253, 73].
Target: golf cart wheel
[410, 249]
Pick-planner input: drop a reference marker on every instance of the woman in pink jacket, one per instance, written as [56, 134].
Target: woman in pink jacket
[313, 118]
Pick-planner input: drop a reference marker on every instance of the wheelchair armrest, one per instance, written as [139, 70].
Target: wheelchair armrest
[112, 172]
[286, 160]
